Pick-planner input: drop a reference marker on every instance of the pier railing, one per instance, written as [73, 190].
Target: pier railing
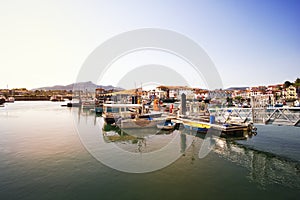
[269, 115]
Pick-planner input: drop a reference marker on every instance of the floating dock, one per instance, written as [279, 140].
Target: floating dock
[228, 129]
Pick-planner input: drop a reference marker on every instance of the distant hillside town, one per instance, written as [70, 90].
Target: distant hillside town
[285, 92]
[48, 93]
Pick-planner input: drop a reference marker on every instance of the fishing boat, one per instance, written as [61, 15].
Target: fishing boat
[167, 125]
[127, 111]
[142, 114]
[113, 112]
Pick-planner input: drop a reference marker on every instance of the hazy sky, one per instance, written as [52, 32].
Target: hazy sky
[44, 43]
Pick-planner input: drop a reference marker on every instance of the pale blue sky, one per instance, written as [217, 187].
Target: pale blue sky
[251, 42]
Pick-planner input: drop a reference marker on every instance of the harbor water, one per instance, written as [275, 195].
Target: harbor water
[42, 156]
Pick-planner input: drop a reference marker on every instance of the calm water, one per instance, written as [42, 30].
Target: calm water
[42, 157]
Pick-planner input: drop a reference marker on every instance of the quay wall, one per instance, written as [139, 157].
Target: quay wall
[36, 98]
[32, 98]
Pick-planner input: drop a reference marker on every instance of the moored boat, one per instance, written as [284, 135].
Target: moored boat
[139, 123]
[196, 126]
[151, 115]
[74, 103]
[113, 112]
[97, 110]
[2, 99]
[55, 98]
[278, 104]
[88, 104]
[128, 116]
[10, 100]
[296, 103]
[167, 125]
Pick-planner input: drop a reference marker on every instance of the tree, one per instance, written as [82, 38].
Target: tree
[229, 101]
[287, 84]
[297, 85]
[238, 98]
[297, 82]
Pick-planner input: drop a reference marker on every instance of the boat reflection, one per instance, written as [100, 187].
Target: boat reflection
[142, 140]
[264, 168]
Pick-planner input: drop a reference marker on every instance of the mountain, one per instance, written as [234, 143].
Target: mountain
[237, 88]
[89, 86]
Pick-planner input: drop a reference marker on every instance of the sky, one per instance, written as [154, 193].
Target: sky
[251, 42]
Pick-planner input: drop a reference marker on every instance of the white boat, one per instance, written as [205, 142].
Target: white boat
[112, 112]
[11, 100]
[56, 98]
[88, 104]
[296, 103]
[128, 116]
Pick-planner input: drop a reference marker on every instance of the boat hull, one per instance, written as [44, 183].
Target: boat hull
[2, 101]
[138, 123]
[196, 126]
[166, 126]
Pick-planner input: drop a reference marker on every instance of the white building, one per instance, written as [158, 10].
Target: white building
[174, 92]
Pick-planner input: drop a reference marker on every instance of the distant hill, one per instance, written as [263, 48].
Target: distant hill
[90, 86]
[237, 88]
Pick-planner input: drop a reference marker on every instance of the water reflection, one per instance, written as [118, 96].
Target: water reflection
[264, 168]
[42, 158]
[144, 150]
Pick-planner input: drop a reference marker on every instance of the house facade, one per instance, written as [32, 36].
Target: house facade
[290, 93]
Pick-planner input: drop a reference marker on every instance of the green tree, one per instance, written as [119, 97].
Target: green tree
[297, 82]
[287, 84]
[238, 98]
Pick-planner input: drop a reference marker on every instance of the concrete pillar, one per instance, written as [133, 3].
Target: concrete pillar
[183, 104]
